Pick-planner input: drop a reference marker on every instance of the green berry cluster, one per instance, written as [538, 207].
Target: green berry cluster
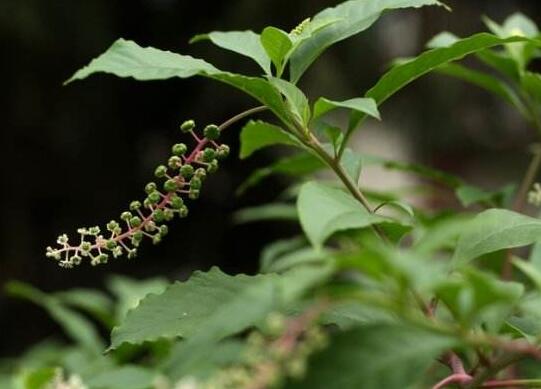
[180, 178]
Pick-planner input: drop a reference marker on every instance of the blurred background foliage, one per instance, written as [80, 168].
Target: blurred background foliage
[74, 156]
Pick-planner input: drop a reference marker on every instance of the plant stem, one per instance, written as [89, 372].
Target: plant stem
[499, 364]
[335, 165]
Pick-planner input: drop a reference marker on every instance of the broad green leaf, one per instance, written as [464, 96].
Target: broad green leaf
[40, 378]
[535, 255]
[295, 166]
[277, 44]
[256, 135]
[75, 325]
[302, 256]
[278, 248]
[365, 105]
[529, 270]
[295, 99]
[127, 59]
[469, 195]
[266, 212]
[476, 297]
[246, 43]
[353, 17]
[493, 230]
[133, 377]
[390, 356]
[401, 75]
[96, 303]
[442, 235]
[324, 210]
[130, 292]
[212, 305]
[399, 205]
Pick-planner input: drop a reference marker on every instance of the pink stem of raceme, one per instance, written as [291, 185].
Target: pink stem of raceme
[455, 378]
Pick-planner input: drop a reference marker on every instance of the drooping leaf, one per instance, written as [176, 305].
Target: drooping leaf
[212, 305]
[353, 17]
[365, 105]
[296, 100]
[127, 59]
[493, 230]
[246, 43]
[266, 212]
[39, 378]
[390, 356]
[277, 45]
[324, 210]
[75, 325]
[403, 74]
[256, 135]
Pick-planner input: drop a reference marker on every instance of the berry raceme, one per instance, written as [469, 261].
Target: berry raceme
[182, 177]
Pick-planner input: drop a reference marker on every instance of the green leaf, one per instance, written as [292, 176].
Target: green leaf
[401, 75]
[92, 301]
[127, 59]
[276, 211]
[336, 211]
[390, 356]
[133, 377]
[529, 270]
[469, 195]
[493, 230]
[40, 378]
[295, 99]
[256, 135]
[365, 105]
[246, 43]
[75, 325]
[213, 305]
[353, 17]
[277, 45]
[443, 39]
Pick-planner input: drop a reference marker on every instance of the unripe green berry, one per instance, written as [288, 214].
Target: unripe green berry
[135, 221]
[187, 171]
[170, 186]
[160, 171]
[94, 230]
[174, 162]
[158, 215]
[138, 236]
[168, 214]
[187, 126]
[150, 187]
[176, 202]
[134, 242]
[164, 230]
[194, 194]
[179, 149]
[211, 132]
[135, 205]
[213, 166]
[183, 211]
[156, 239]
[111, 244]
[126, 216]
[132, 253]
[195, 183]
[222, 152]
[208, 154]
[85, 247]
[154, 197]
[201, 173]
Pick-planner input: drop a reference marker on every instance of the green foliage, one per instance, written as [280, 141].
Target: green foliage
[371, 295]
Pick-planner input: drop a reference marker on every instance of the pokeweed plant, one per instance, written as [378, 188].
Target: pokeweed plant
[410, 298]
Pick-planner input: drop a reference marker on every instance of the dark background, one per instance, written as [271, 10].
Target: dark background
[77, 155]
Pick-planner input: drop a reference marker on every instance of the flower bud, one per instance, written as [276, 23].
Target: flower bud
[208, 154]
[158, 215]
[170, 186]
[117, 251]
[138, 235]
[174, 162]
[154, 197]
[126, 216]
[94, 230]
[135, 221]
[211, 132]
[150, 187]
[179, 149]
[160, 171]
[187, 171]
[135, 205]
[176, 201]
[187, 126]
[132, 253]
